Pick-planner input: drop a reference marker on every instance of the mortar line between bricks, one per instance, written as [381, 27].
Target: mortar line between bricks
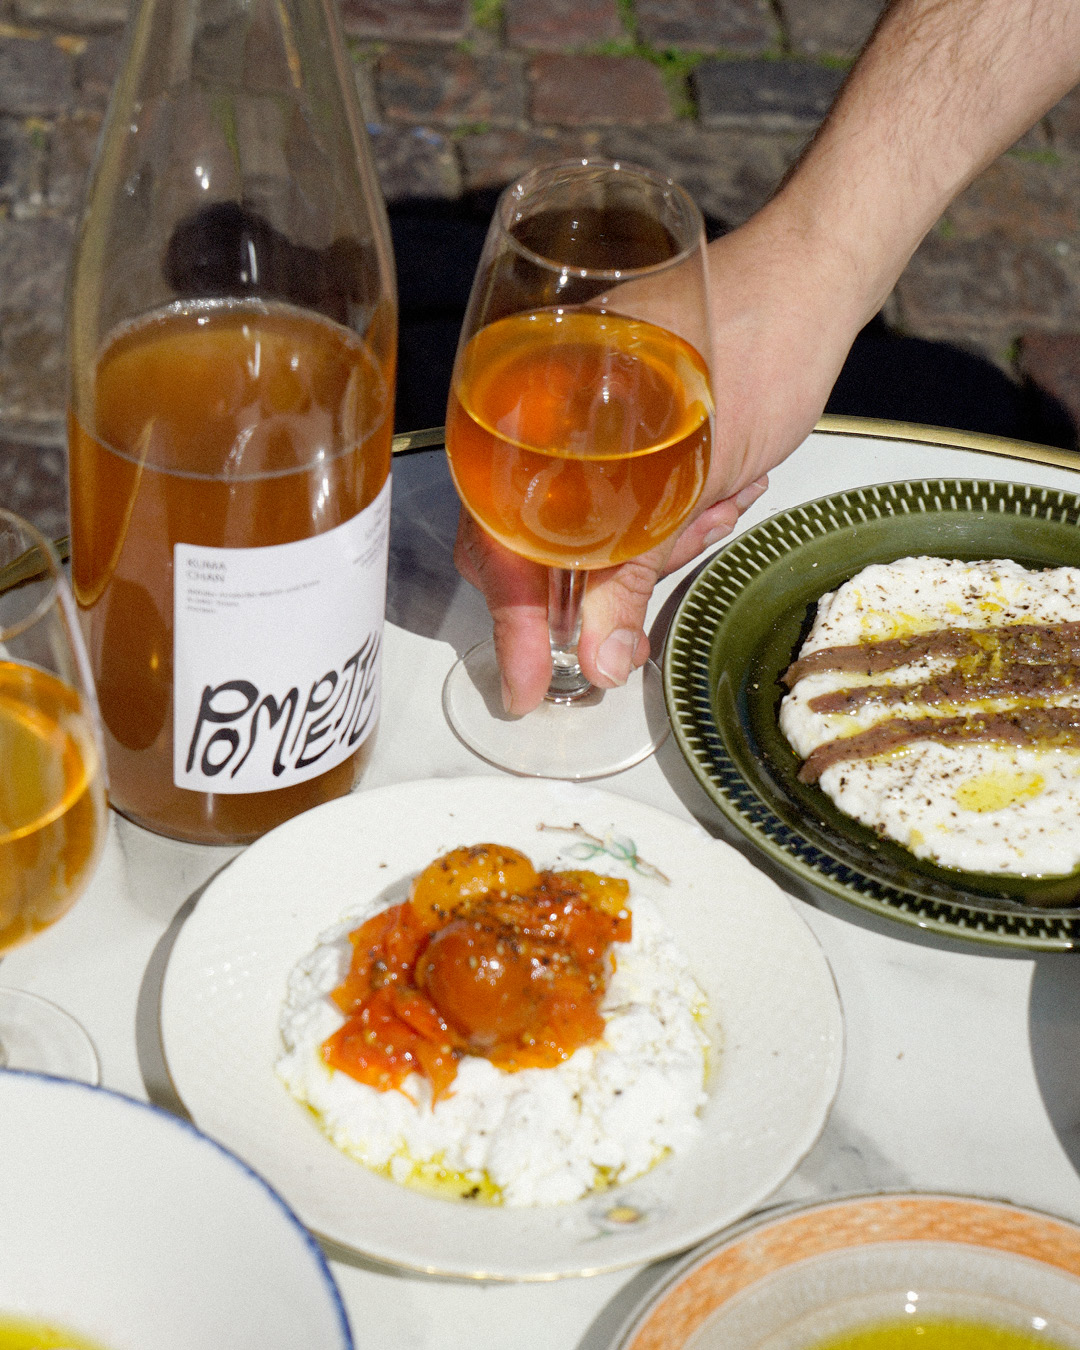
[777, 9]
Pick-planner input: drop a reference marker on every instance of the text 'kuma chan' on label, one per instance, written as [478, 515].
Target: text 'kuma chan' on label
[277, 655]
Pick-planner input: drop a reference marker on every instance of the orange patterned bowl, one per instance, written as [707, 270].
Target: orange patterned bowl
[800, 1279]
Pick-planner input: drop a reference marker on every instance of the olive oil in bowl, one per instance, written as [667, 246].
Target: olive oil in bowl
[919, 1333]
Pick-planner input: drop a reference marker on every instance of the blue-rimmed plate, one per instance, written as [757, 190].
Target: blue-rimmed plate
[736, 631]
[126, 1226]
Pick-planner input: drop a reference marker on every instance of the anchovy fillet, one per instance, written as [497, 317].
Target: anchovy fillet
[956, 686]
[1046, 727]
[1011, 644]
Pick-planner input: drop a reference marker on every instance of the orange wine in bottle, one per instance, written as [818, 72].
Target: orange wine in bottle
[232, 337]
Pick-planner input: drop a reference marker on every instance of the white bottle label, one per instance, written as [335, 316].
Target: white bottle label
[277, 654]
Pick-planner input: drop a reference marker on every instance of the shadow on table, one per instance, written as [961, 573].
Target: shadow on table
[613, 1316]
[1054, 1031]
[148, 1042]
[421, 580]
[424, 594]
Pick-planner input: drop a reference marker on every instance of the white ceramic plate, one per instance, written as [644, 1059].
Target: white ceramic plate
[124, 1224]
[769, 988]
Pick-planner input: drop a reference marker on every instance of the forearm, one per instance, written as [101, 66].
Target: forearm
[941, 90]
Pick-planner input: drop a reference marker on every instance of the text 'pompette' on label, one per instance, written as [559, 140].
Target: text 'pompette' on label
[277, 655]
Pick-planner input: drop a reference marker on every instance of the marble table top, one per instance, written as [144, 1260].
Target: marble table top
[962, 1064]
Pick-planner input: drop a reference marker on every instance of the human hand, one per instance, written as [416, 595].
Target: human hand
[780, 335]
[613, 641]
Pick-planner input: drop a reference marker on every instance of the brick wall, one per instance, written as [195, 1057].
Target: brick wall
[463, 94]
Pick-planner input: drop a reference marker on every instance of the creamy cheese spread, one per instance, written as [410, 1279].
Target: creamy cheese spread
[980, 806]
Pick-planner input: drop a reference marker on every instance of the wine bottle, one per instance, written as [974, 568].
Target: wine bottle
[232, 340]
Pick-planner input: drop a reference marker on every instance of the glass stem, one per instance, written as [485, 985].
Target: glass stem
[566, 591]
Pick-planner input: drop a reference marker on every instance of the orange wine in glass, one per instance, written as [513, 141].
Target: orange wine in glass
[578, 432]
[53, 816]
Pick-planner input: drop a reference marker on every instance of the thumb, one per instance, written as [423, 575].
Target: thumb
[613, 641]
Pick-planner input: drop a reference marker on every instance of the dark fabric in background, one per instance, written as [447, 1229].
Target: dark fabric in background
[437, 246]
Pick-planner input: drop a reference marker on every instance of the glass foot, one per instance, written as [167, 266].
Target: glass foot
[37, 1035]
[603, 733]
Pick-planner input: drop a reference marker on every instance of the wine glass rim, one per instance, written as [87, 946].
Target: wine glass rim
[52, 570]
[528, 181]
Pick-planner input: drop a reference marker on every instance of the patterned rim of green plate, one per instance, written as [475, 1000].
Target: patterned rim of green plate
[735, 632]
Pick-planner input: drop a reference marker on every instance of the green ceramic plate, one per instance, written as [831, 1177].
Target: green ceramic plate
[736, 631]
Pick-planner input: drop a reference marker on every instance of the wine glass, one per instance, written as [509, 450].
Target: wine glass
[578, 433]
[53, 814]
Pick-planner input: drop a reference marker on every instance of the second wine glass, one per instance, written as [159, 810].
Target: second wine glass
[578, 433]
[53, 816]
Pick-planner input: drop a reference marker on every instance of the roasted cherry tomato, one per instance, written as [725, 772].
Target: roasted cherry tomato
[487, 957]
